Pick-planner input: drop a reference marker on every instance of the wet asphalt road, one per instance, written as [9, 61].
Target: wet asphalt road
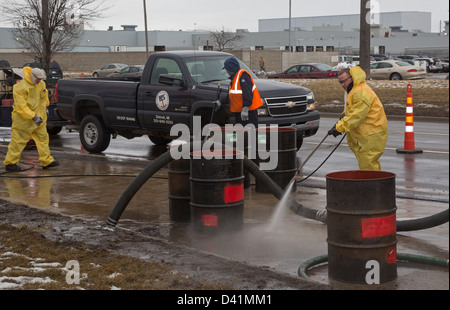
[422, 185]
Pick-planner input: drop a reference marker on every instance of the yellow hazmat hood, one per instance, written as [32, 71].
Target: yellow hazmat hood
[358, 75]
[26, 73]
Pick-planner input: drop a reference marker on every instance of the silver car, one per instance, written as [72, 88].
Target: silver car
[131, 72]
[108, 69]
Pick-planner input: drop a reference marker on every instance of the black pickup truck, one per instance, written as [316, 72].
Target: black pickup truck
[174, 87]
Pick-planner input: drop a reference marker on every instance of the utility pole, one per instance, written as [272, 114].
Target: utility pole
[290, 45]
[364, 39]
[146, 30]
[46, 39]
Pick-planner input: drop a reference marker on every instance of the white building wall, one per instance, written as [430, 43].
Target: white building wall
[409, 20]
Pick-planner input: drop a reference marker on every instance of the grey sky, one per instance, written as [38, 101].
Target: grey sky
[231, 14]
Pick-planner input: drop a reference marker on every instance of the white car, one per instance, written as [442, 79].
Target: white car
[396, 70]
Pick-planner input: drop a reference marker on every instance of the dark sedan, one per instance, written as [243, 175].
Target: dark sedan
[307, 71]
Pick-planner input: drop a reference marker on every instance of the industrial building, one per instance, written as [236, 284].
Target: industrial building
[392, 33]
[403, 21]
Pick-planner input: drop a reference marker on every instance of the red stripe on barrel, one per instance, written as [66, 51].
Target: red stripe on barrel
[210, 220]
[233, 193]
[378, 227]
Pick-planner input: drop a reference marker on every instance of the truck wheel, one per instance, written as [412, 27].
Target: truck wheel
[54, 130]
[93, 134]
[159, 140]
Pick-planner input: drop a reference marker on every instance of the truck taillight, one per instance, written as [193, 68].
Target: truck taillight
[56, 93]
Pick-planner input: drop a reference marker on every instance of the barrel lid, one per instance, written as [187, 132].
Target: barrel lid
[360, 175]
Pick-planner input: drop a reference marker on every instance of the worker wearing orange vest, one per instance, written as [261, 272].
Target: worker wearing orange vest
[243, 96]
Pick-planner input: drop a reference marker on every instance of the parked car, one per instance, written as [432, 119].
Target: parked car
[379, 57]
[407, 56]
[307, 71]
[4, 64]
[108, 69]
[442, 63]
[55, 69]
[432, 66]
[395, 70]
[410, 61]
[129, 73]
[444, 66]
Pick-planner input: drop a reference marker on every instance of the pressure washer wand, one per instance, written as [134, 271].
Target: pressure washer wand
[311, 154]
[214, 108]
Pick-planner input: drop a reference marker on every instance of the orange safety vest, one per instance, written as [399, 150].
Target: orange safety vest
[235, 94]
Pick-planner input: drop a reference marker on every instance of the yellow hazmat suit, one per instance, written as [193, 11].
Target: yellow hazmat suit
[364, 122]
[29, 100]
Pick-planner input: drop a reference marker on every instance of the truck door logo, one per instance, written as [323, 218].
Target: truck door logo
[162, 100]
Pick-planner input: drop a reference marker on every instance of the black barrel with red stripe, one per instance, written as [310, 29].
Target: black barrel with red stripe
[217, 191]
[361, 225]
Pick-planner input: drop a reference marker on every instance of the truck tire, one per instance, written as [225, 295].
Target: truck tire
[52, 131]
[94, 136]
[159, 140]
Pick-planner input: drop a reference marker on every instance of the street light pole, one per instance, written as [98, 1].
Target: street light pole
[364, 37]
[146, 31]
[290, 47]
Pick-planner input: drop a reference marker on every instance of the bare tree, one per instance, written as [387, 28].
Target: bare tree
[47, 27]
[224, 39]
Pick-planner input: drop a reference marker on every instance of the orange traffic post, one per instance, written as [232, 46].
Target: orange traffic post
[409, 145]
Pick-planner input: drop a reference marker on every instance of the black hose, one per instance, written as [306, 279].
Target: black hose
[137, 183]
[423, 223]
[440, 262]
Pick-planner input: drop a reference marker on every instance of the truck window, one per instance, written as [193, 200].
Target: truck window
[207, 69]
[164, 66]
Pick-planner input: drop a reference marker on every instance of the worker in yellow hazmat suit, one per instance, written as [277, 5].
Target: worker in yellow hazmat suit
[364, 121]
[29, 119]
